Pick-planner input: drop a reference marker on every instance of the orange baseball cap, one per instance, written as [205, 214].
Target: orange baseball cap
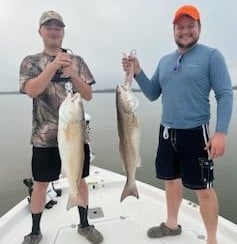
[189, 10]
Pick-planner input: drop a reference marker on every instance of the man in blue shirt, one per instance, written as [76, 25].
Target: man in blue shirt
[184, 79]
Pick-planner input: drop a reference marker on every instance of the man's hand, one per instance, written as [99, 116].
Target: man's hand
[61, 60]
[216, 145]
[70, 70]
[127, 63]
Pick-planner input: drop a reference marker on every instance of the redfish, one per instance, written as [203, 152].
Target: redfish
[71, 139]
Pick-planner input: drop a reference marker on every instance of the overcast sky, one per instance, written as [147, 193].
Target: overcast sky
[101, 30]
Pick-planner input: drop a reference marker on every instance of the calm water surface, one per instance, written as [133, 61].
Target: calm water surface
[15, 150]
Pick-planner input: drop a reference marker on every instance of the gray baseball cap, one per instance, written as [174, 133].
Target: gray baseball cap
[51, 15]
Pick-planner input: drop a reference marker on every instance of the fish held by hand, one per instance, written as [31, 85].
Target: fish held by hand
[71, 139]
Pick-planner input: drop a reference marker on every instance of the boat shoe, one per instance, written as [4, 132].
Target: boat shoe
[32, 239]
[91, 234]
[163, 230]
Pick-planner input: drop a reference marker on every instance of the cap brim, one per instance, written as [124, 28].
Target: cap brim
[56, 21]
[180, 15]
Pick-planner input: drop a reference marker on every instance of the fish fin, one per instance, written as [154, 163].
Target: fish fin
[129, 190]
[74, 201]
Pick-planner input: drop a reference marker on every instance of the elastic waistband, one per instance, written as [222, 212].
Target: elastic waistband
[166, 131]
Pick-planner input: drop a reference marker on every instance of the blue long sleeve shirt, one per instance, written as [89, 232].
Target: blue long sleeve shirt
[184, 83]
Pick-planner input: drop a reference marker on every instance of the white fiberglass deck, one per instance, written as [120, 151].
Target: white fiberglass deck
[125, 222]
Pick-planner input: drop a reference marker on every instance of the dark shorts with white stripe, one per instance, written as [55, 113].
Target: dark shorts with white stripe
[46, 163]
[178, 156]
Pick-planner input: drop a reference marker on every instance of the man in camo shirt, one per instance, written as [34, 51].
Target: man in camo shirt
[43, 77]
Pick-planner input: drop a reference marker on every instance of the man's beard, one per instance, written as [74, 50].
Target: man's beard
[180, 45]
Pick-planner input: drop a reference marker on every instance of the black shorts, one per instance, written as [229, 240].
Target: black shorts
[46, 163]
[179, 153]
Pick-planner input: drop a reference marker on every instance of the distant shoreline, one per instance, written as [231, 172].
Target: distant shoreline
[110, 90]
[9, 92]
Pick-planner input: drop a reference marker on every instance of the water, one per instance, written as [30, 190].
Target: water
[15, 153]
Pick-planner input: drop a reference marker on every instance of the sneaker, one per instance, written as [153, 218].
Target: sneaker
[32, 239]
[91, 234]
[163, 230]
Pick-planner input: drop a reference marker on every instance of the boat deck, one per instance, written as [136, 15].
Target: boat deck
[125, 222]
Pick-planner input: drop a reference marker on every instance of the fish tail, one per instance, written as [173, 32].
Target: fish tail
[74, 201]
[129, 190]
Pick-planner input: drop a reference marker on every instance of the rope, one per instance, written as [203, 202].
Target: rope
[130, 74]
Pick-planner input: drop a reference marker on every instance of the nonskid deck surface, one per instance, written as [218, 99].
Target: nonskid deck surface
[125, 222]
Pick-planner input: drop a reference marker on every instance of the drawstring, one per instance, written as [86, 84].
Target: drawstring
[166, 133]
[177, 64]
[171, 135]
